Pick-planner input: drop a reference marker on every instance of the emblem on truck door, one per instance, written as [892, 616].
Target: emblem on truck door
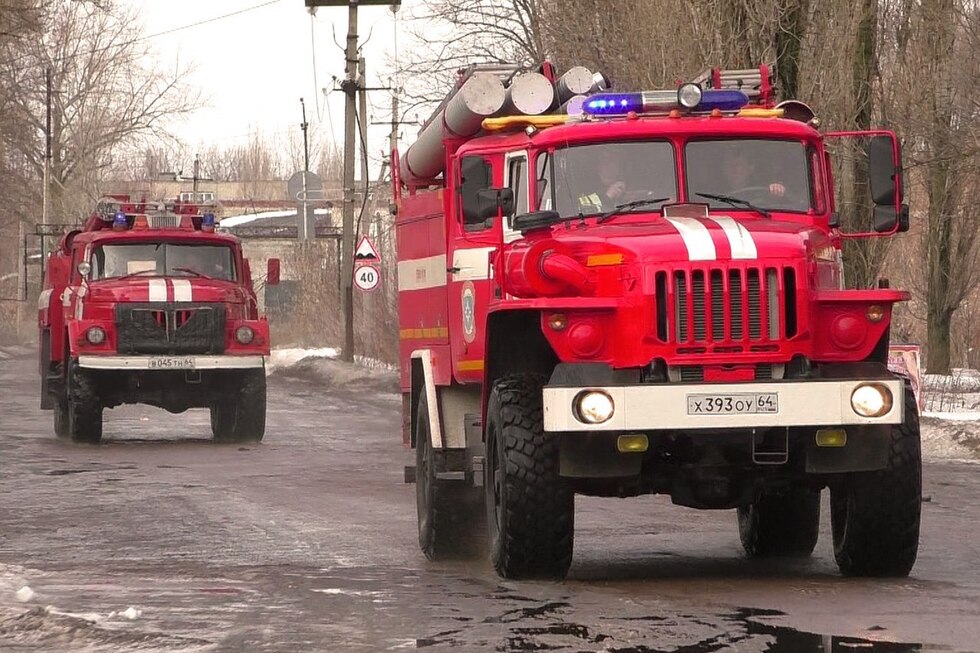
[469, 312]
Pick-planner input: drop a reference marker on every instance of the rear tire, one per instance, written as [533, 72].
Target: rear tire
[242, 419]
[450, 515]
[84, 409]
[875, 515]
[780, 524]
[530, 508]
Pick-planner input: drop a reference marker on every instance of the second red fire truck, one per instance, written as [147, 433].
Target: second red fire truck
[617, 294]
[147, 304]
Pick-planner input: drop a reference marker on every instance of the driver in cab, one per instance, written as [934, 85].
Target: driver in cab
[740, 176]
[610, 188]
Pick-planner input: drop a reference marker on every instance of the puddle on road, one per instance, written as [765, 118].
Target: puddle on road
[543, 630]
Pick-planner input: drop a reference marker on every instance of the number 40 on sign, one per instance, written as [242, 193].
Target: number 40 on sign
[367, 277]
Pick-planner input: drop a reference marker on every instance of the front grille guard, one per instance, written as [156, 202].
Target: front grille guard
[749, 308]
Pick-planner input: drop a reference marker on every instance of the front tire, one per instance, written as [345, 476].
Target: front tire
[84, 408]
[530, 508]
[780, 524]
[242, 419]
[875, 515]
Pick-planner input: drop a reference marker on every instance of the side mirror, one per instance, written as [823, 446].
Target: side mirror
[886, 219]
[884, 171]
[272, 272]
[490, 202]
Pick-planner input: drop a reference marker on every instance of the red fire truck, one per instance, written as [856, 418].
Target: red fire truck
[647, 297]
[147, 304]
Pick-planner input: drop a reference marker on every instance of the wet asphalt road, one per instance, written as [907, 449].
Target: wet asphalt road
[307, 542]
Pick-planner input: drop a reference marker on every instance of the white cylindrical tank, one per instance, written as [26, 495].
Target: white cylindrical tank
[480, 96]
[529, 94]
[573, 106]
[577, 80]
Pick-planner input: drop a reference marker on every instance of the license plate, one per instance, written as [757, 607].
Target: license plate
[747, 403]
[171, 363]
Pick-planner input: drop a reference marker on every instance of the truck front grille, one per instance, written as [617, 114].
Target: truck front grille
[739, 307]
[167, 328]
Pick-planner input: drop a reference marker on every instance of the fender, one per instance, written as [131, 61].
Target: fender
[424, 357]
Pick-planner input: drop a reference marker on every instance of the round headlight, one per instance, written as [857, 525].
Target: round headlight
[84, 268]
[871, 400]
[95, 335]
[689, 95]
[244, 335]
[593, 407]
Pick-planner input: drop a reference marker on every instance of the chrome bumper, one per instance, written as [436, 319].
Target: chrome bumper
[193, 362]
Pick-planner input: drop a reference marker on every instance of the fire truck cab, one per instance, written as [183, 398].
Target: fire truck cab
[647, 297]
[147, 304]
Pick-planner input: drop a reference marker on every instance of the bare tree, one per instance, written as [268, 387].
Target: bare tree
[452, 34]
[103, 94]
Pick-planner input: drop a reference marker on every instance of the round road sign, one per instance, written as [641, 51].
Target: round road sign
[367, 277]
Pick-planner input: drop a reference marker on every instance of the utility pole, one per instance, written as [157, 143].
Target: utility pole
[197, 174]
[394, 123]
[362, 100]
[303, 228]
[349, 87]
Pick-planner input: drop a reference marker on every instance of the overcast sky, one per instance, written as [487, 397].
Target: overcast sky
[257, 64]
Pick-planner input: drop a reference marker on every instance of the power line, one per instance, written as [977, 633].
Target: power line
[146, 37]
[208, 20]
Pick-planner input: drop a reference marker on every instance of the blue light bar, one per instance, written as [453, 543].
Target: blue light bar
[606, 104]
[617, 104]
[722, 99]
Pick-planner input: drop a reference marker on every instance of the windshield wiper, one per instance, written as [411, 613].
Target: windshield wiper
[194, 272]
[734, 201]
[628, 206]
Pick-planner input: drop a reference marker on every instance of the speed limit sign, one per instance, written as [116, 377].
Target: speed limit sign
[367, 277]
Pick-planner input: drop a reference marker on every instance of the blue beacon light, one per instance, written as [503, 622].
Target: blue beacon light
[207, 222]
[119, 222]
[723, 100]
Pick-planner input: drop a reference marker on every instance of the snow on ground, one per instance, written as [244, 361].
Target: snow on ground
[950, 424]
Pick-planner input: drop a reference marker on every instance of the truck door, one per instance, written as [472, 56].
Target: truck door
[471, 246]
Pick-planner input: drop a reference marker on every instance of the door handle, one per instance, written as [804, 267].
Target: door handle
[454, 270]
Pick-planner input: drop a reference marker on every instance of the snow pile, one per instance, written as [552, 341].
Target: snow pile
[291, 356]
[951, 419]
[366, 375]
[24, 594]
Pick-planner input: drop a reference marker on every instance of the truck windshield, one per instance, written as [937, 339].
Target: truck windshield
[766, 174]
[163, 259]
[592, 179]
